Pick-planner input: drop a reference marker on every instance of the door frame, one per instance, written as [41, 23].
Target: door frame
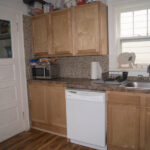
[24, 93]
[22, 64]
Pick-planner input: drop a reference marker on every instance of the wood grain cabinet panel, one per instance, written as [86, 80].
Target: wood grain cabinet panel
[145, 123]
[89, 29]
[38, 103]
[61, 23]
[81, 30]
[40, 34]
[123, 121]
[128, 121]
[123, 127]
[56, 104]
[147, 129]
[48, 107]
[123, 98]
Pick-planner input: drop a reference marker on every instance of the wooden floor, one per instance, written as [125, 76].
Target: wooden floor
[37, 140]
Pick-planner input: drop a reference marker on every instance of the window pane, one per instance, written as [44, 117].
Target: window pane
[135, 23]
[140, 23]
[126, 20]
[140, 48]
[5, 39]
[149, 22]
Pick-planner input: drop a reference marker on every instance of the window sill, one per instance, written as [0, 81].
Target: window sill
[131, 72]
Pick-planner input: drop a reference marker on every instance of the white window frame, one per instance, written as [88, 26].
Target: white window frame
[115, 7]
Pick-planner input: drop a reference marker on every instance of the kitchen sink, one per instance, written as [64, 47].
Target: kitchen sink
[106, 82]
[144, 85]
[126, 84]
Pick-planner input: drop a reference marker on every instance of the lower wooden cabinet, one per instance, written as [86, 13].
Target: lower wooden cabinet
[128, 121]
[145, 123]
[56, 105]
[48, 107]
[128, 115]
[147, 129]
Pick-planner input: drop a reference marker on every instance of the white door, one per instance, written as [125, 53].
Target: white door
[11, 103]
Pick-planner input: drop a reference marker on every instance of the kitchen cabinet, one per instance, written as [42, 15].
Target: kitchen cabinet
[61, 23]
[76, 31]
[56, 105]
[147, 129]
[38, 103]
[128, 121]
[48, 107]
[123, 121]
[145, 123]
[41, 35]
[90, 29]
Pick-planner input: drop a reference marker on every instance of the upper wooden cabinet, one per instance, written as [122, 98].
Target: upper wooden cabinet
[90, 29]
[40, 34]
[81, 30]
[61, 25]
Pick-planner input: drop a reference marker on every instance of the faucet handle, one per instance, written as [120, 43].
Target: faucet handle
[148, 68]
[141, 77]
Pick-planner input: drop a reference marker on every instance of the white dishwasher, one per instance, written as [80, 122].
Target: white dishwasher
[86, 118]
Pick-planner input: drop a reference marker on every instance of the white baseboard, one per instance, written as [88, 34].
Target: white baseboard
[88, 145]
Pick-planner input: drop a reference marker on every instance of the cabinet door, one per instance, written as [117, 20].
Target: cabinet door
[40, 35]
[147, 129]
[56, 104]
[86, 29]
[123, 121]
[145, 124]
[48, 107]
[103, 29]
[61, 24]
[38, 104]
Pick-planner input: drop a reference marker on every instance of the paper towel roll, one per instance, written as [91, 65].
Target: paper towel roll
[99, 71]
[96, 70]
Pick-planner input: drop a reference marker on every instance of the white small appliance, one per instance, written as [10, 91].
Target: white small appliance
[86, 118]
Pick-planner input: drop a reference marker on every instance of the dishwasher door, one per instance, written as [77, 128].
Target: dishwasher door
[86, 116]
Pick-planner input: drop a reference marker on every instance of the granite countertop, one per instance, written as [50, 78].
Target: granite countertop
[89, 84]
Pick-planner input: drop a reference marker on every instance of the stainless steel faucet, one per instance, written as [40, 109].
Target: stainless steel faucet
[141, 77]
[148, 70]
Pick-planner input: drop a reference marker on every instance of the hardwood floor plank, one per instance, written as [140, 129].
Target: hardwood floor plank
[38, 140]
[19, 139]
[36, 143]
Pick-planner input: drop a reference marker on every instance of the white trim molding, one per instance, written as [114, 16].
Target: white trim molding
[23, 73]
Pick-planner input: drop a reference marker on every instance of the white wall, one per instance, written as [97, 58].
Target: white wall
[15, 4]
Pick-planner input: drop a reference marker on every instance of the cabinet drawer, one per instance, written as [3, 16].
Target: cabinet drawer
[123, 98]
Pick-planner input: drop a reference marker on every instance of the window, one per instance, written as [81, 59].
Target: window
[135, 34]
[5, 39]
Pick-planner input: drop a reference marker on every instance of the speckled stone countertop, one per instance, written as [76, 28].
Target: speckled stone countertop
[89, 84]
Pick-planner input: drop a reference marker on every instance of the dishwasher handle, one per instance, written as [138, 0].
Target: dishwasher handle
[86, 100]
[84, 93]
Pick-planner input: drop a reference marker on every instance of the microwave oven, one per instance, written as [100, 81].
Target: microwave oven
[49, 71]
